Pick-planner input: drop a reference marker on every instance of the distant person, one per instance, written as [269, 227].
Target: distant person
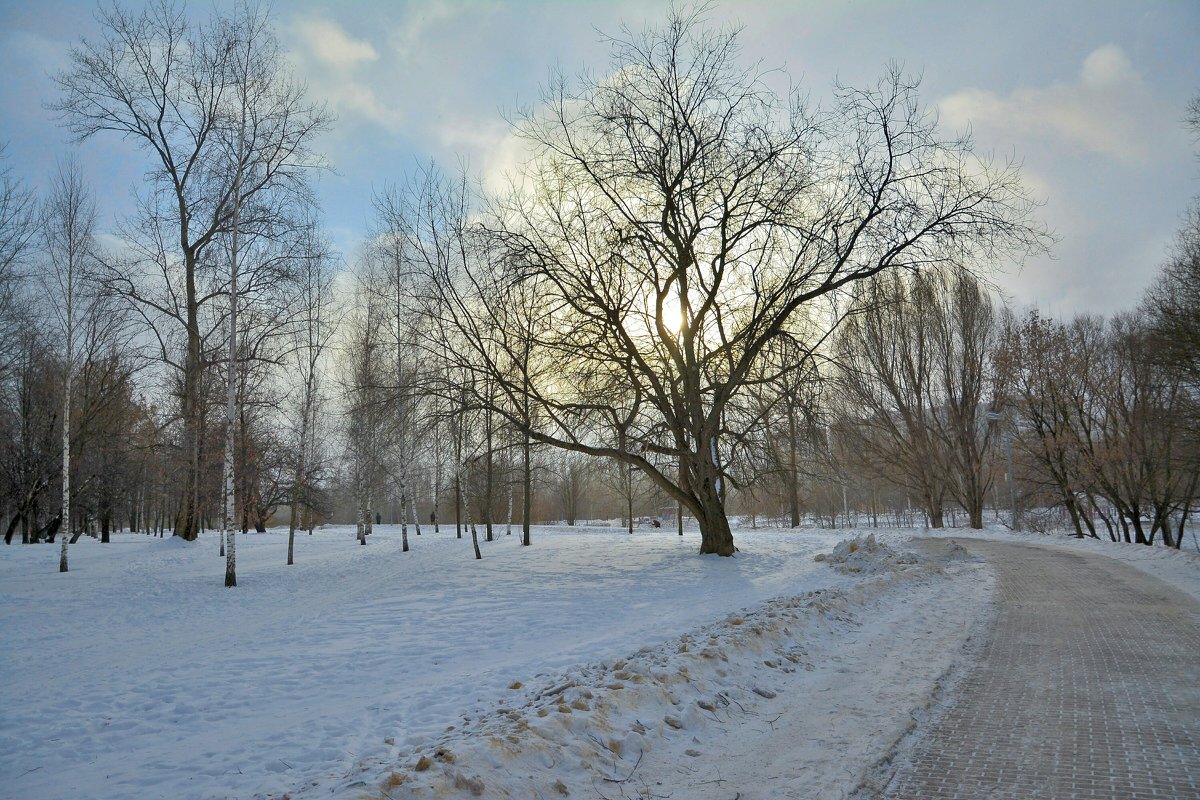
[378, 518]
[433, 518]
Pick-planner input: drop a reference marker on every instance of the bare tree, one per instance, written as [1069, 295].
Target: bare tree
[313, 334]
[68, 222]
[677, 214]
[17, 227]
[887, 369]
[1172, 303]
[168, 85]
[915, 366]
[965, 337]
[571, 479]
[1044, 366]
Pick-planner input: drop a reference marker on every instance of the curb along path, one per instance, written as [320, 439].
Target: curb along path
[1088, 688]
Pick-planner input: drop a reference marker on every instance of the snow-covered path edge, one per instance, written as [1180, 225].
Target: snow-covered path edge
[804, 696]
[1179, 569]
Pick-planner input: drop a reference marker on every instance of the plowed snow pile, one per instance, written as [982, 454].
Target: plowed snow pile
[865, 555]
[794, 672]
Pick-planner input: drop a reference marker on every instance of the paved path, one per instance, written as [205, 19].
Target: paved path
[1088, 688]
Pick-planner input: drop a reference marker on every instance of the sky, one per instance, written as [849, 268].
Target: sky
[1088, 95]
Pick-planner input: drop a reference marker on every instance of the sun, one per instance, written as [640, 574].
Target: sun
[672, 316]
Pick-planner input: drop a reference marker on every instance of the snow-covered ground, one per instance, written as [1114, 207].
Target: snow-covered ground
[1177, 568]
[619, 664]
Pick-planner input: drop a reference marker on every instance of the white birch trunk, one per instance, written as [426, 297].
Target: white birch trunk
[229, 523]
[511, 489]
[65, 526]
[302, 456]
[362, 507]
[294, 516]
[412, 505]
[437, 487]
[311, 455]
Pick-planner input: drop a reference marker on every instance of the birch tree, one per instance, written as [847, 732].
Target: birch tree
[68, 222]
[313, 334]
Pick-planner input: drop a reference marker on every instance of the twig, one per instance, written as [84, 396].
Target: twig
[630, 775]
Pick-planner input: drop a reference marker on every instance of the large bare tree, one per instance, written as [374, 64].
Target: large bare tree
[677, 214]
[914, 367]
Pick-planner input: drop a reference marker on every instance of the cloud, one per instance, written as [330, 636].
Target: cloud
[338, 68]
[413, 33]
[1107, 110]
[333, 46]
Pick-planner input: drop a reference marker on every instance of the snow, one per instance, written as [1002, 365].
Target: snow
[1179, 569]
[864, 555]
[801, 696]
[138, 674]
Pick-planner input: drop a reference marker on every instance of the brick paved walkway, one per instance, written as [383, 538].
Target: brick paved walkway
[1088, 688]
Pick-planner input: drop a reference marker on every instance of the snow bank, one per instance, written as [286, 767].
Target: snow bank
[863, 555]
[667, 716]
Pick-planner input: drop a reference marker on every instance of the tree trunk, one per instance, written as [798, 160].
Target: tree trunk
[66, 436]
[362, 520]
[403, 521]
[936, 514]
[488, 479]
[187, 522]
[291, 536]
[629, 495]
[437, 484]
[511, 490]
[297, 479]
[466, 505]
[715, 535]
[527, 490]
[458, 506]
[793, 476]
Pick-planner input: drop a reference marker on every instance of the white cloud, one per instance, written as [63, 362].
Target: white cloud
[332, 45]
[337, 67]
[491, 148]
[1108, 109]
